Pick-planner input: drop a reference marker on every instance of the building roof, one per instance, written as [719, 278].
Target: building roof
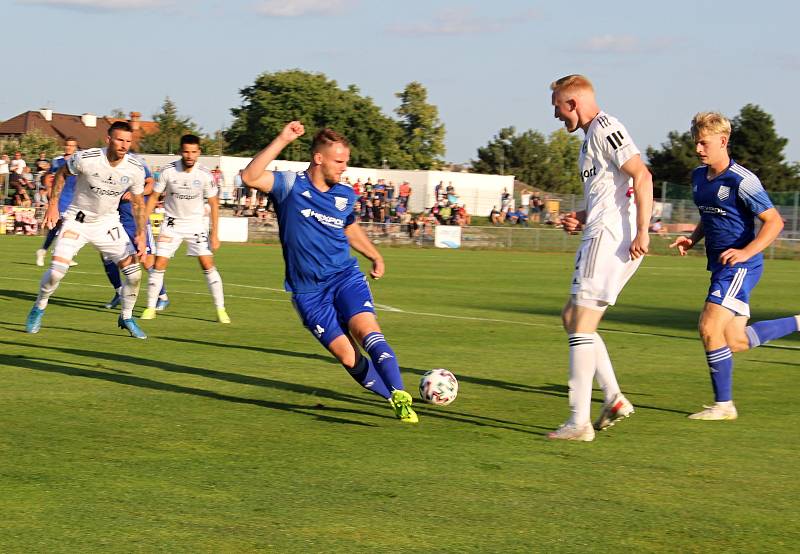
[62, 126]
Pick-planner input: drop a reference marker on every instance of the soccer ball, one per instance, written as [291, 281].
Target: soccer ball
[438, 386]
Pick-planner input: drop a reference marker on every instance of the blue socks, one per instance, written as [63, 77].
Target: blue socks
[112, 272]
[720, 364]
[365, 375]
[762, 332]
[384, 360]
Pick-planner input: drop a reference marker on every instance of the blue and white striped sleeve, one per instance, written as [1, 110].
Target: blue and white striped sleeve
[752, 193]
[282, 185]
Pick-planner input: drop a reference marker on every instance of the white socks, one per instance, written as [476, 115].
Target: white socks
[215, 286]
[132, 276]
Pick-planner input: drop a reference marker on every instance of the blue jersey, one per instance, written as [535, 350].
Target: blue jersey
[125, 208]
[728, 206]
[68, 190]
[311, 228]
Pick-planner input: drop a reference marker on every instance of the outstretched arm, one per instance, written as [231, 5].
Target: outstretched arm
[771, 226]
[255, 175]
[360, 242]
[683, 244]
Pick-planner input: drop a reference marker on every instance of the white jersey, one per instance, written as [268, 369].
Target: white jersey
[99, 186]
[607, 189]
[185, 191]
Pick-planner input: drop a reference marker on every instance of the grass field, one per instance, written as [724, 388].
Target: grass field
[249, 437]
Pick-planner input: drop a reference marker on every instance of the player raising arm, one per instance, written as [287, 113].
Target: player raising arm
[729, 198]
[317, 228]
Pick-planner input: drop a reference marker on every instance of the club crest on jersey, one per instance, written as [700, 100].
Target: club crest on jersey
[125, 180]
[196, 183]
[341, 203]
[723, 192]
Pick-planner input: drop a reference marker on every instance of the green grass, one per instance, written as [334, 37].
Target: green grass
[249, 437]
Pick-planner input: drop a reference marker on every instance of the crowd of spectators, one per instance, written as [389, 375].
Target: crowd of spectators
[27, 186]
[531, 209]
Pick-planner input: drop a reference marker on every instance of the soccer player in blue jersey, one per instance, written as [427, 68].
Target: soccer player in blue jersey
[64, 200]
[317, 228]
[129, 224]
[729, 198]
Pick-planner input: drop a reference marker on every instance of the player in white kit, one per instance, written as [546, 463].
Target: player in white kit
[103, 176]
[618, 195]
[186, 186]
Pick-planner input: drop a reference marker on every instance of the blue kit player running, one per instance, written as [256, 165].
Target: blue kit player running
[64, 199]
[729, 198]
[129, 224]
[317, 229]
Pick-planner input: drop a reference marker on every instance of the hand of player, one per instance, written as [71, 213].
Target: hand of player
[293, 131]
[51, 216]
[377, 269]
[640, 245]
[213, 242]
[125, 197]
[733, 256]
[141, 246]
[682, 244]
[571, 223]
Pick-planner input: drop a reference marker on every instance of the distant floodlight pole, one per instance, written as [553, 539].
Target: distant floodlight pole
[385, 164]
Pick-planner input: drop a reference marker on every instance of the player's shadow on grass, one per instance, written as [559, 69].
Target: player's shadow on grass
[550, 389]
[19, 327]
[63, 301]
[44, 365]
[277, 351]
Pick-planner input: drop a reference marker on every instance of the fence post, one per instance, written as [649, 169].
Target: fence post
[536, 234]
[510, 240]
[794, 222]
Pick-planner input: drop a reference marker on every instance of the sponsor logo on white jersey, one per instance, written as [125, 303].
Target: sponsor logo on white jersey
[327, 220]
[341, 203]
[723, 192]
[306, 194]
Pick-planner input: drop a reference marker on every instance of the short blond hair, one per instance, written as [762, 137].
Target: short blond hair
[710, 123]
[572, 82]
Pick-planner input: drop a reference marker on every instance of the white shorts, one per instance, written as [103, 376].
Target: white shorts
[106, 234]
[602, 267]
[175, 231]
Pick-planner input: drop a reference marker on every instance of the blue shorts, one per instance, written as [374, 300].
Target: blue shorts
[326, 312]
[130, 228]
[731, 287]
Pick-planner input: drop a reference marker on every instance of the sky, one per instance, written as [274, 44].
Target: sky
[486, 65]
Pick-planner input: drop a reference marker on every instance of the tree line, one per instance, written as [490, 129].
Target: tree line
[414, 137]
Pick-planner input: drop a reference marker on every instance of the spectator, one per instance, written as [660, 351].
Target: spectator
[21, 197]
[380, 189]
[506, 204]
[42, 164]
[495, 216]
[404, 194]
[438, 191]
[536, 208]
[357, 187]
[4, 171]
[463, 218]
[368, 186]
[390, 191]
[445, 213]
[657, 227]
[16, 167]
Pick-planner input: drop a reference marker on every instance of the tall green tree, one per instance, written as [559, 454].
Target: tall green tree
[756, 145]
[551, 164]
[316, 101]
[674, 160]
[31, 144]
[423, 132]
[171, 126]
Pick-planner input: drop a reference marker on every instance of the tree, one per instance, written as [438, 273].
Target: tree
[276, 98]
[756, 145]
[170, 129]
[532, 159]
[118, 113]
[31, 144]
[423, 133]
[674, 161]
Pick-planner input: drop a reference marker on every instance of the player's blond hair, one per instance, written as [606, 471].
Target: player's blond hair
[710, 123]
[571, 83]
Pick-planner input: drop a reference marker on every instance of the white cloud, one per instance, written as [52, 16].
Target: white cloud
[299, 8]
[99, 5]
[625, 44]
[461, 22]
